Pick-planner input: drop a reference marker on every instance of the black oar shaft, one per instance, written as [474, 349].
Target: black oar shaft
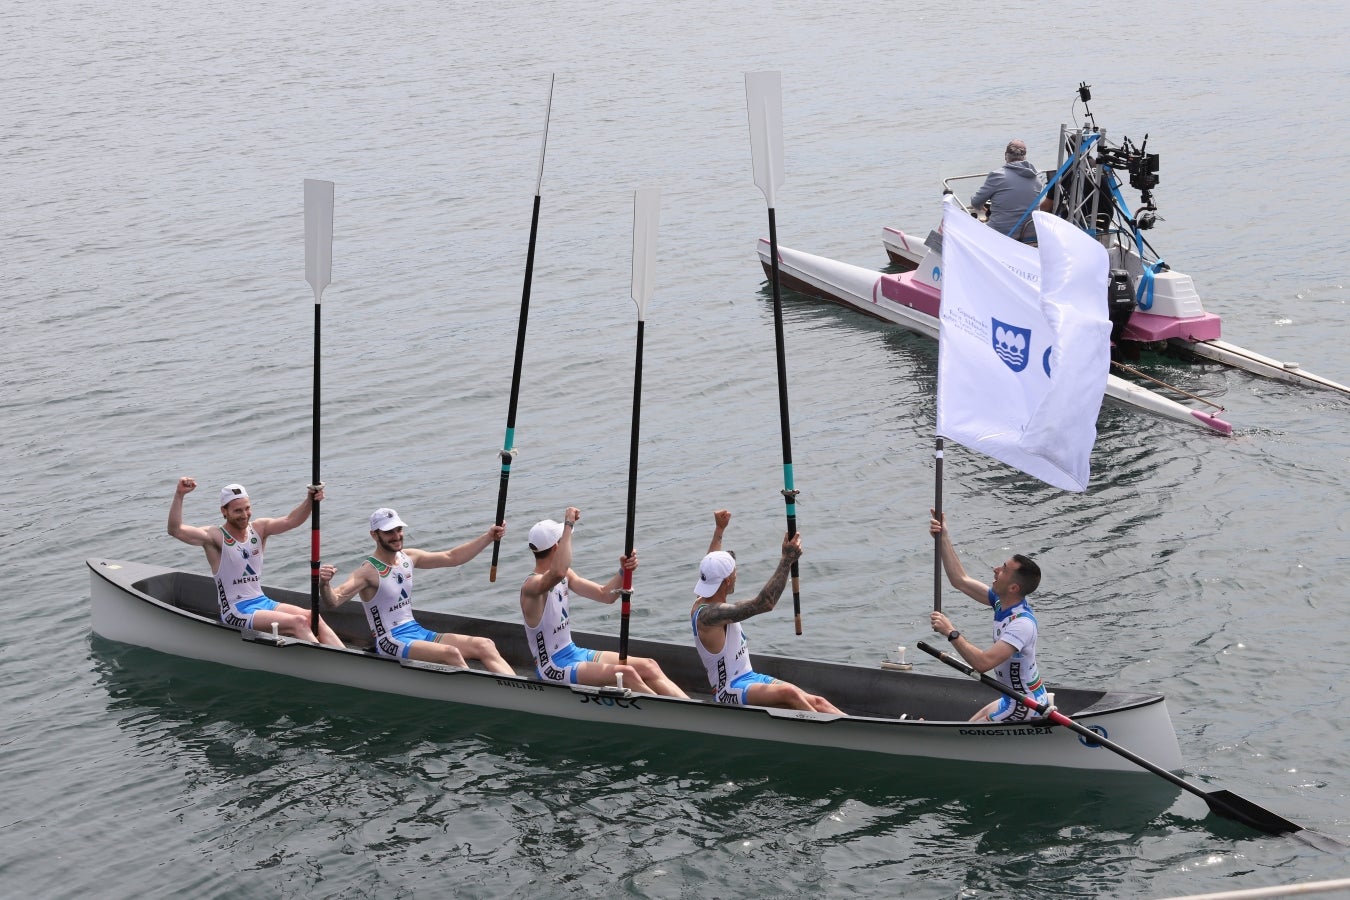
[626, 595]
[509, 444]
[1224, 803]
[314, 500]
[785, 427]
[318, 272]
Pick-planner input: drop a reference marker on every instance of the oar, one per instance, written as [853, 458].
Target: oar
[1171, 387]
[318, 272]
[509, 445]
[764, 103]
[646, 218]
[1225, 803]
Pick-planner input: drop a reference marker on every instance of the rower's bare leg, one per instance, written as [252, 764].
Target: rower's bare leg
[290, 621]
[479, 648]
[649, 671]
[436, 652]
[784, 695]
[602, 674]
[328, 636]
[983, 714]
[299, 625]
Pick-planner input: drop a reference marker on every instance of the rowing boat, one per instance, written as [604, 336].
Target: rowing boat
[891, 710]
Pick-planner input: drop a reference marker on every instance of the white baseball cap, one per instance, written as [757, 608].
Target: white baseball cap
[545, 534]
[385, 519]
[715, 569]
[232, 492]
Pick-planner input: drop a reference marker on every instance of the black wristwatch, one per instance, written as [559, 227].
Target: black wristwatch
[953, 635]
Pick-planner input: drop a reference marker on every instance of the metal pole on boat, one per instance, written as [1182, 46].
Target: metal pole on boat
[509, 444]
[318, 272]
[646, 219]
[1225, 803]
[764, 103]
[1171, 387]
[937, 538]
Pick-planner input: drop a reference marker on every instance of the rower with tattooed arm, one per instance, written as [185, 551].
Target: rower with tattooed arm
[717, 629]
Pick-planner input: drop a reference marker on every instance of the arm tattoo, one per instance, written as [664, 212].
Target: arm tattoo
[764, 601]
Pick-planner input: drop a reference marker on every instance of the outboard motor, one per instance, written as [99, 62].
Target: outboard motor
[1119, 305]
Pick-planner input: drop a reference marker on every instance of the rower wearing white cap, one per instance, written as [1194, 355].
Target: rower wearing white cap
[384, 582]
[544, 607]
[717, 630]
[235, 553]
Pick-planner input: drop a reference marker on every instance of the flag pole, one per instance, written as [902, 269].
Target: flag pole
[937, 538]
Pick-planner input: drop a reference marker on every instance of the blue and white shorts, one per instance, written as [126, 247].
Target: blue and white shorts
[400, 639]
[566, 661]
[736, 691]
[240, 612]
[1009, 710]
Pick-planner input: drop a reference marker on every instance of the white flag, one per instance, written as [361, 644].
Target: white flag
[1024, 345]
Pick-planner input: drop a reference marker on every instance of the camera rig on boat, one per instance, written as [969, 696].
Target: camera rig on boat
[1085, 188]
[1143, 169]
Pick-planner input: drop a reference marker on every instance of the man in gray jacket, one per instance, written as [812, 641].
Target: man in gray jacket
[1010, 192]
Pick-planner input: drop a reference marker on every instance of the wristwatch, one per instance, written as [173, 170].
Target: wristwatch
[953, 635]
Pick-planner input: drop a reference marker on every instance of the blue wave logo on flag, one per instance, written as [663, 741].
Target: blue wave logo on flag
[1011, 343]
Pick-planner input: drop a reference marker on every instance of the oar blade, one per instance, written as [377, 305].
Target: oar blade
[646, 221]
[1240, 809]
[543, 144]
[764, 105]
[318, 234]
[1225, 803]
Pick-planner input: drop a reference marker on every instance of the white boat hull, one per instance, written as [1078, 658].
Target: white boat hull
[125, 610]
[906, 252]
[886, 296]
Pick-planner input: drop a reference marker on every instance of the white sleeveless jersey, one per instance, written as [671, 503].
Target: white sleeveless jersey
[554, 631]
[725, 667]
[239, 575]
[392, 604]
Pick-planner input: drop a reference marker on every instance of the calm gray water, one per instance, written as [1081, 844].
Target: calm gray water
[157, 323]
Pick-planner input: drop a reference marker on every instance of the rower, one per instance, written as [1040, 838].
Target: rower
[383, 581]
[234, 551]
[717, 629]
[544, 609]
[1012, 658]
